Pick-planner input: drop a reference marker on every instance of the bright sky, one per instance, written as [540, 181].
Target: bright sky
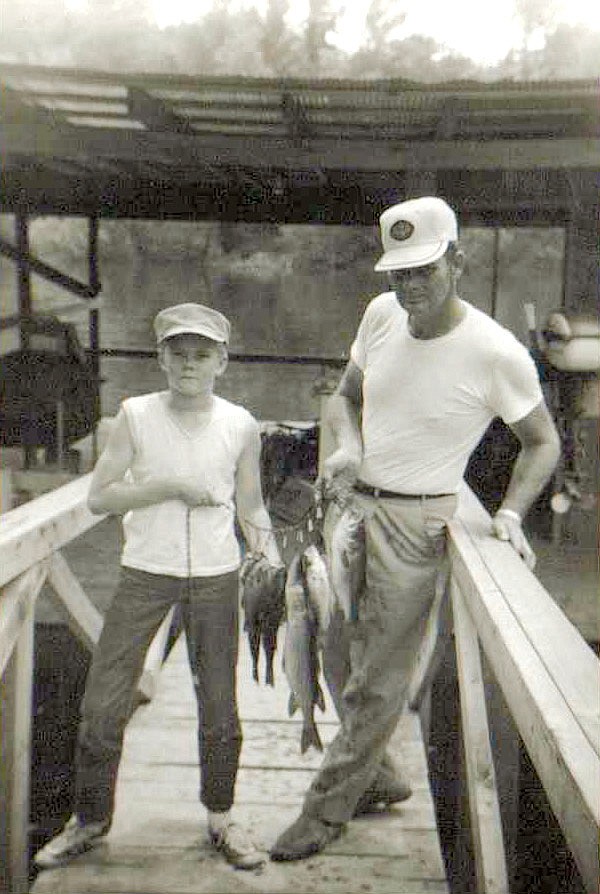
[480, 30]
[483, 31]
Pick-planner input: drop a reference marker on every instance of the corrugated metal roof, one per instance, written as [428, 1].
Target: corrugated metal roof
[208, 138]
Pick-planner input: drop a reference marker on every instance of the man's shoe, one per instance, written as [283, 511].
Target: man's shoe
[236, 847]
[378, 796]
[75, 838]
[307, 836]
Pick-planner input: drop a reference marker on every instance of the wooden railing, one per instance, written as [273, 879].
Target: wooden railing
[548, 675]
[31, 538]
[550, 681]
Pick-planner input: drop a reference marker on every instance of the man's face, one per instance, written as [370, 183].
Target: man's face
[423, 291]
[191, 363]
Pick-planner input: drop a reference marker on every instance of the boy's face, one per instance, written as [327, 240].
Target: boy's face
[191, 363]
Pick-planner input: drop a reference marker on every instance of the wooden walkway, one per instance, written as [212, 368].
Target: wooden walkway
[157, 844]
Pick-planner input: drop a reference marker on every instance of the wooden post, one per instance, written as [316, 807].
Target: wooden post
[15, 736]
[324, 388]
[495, 273]
[24, 294]
[94, 332]
[6, 489]
[60, 435]
[486, 826]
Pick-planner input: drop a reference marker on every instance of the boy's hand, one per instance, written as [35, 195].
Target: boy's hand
[193, 494]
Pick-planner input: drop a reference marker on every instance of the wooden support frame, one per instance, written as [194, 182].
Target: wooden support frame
[553, 703]
[28, 264]
[484, 807]
[16, 669]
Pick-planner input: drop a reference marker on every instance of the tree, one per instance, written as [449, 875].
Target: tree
[537, 19]
[321, 20]
[276, 43]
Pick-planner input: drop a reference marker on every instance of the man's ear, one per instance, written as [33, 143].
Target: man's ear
[223, 360]
[161, 356]
[457, 260]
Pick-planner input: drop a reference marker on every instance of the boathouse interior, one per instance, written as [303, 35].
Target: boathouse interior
[103, 147]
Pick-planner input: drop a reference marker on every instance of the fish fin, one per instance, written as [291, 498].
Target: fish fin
[254, 641]
[269, 678]
[320, 700]
[292, 704]
[310, 736]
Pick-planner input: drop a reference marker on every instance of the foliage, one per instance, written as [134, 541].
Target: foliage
[119, 35]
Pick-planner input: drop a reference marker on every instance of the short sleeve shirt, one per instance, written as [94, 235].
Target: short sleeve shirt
[428, 402]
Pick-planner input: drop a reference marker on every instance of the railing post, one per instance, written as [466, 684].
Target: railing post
[323, 389]
[15, 736]
[486, 824]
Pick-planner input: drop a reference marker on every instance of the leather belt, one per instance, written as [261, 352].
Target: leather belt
[377, 492]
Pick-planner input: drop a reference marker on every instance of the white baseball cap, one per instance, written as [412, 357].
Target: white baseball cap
[415, 233]
[195, 318]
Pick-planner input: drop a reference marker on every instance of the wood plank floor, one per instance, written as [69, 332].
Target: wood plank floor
[157, 844]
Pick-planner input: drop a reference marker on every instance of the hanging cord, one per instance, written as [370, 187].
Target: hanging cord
[186, 599]
[310, 522]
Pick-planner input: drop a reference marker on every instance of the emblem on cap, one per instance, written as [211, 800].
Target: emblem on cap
[402, 230]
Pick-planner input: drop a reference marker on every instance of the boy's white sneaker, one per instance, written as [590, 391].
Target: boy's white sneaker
[75, 838]
[236, 847]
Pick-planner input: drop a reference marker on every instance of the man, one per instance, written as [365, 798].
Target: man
[427, 374]
[178, 464]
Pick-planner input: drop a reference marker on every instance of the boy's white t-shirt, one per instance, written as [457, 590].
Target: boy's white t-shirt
[428, 402]
[166, 538]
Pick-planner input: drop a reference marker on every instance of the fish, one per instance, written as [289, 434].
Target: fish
[263, 601]
[318, 585]
[346, 555]
[301, 662]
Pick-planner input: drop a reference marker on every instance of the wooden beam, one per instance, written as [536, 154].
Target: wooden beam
[36, 529]
[486, 824]
[82, 616]
[28, 264]
[16, 599]
[547, 628]
[553, 728]
[83, 144]
[156, 114]
[15, 740]
[154, 659]
[86, 622]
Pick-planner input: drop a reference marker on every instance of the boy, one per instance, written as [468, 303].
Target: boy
[177, 465]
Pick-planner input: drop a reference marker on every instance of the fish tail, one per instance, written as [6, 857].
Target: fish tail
[310, 736]
[269, 676]
[320, 698]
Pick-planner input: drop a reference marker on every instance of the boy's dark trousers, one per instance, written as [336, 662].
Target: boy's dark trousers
[210, 616]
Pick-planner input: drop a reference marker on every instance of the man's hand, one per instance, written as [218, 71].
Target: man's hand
[506, 525]
[344, 463]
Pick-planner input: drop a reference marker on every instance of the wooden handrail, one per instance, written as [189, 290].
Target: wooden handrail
[547, 673]
[38, 528]
[30, 540]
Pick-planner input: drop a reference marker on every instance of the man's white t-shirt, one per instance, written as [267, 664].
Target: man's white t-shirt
[167, 538]
[428, 402]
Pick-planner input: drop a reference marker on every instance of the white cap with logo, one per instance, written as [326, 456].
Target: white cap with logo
[415, 233]
[194, 318]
